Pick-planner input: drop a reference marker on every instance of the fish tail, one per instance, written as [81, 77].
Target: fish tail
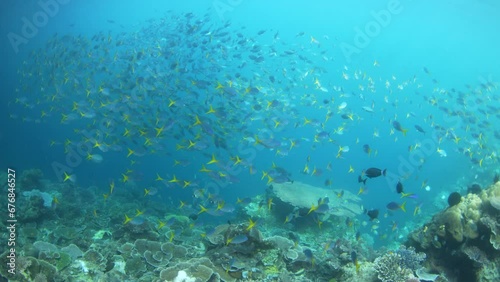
[403, 206]
[384, 171]
[404, 131]
[364, 180]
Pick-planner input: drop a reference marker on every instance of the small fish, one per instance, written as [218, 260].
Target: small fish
[244, 202]
[398, 127]
[419, 129]
[373, 214]
[399, 188]
[70, 177]
[367, 109]
[361, 180]
[238, 239]
[340, 194]
[409, 195]
[367, 149]
[342, 106]
[394, 226]
[354, 259]
[374, 172]
[442, 153]
[416, 211]
[294, 214]
[395, 206]
[309, 255]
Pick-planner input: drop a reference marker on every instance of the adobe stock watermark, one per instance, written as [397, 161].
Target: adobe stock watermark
[31, 26]
[363, 37]
[221, 7]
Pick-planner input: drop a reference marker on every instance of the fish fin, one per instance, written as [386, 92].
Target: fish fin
[403, 206]
[384, 171]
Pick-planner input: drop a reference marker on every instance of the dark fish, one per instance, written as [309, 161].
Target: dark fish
[324, 200]
[373, 214]
[354, 257]
[308, 253]
[193, 216]
[419, 129]
[367, 149]
[398, 127]
[395, 206]
[323, 208]
[399, 188]
[374, 172]
[496, 178]
[360, 179]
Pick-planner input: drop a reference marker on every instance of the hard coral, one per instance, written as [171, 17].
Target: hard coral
[31, 178]
[452, 220]
[157, 258]
[472, 209]
[399, 265]
[200, 268]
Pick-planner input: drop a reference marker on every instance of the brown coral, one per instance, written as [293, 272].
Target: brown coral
[452, 220]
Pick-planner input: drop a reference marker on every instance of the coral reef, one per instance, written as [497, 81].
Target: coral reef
[37, 207]
[463, 240]
[31, 179]
[399, 265]
[96, 245]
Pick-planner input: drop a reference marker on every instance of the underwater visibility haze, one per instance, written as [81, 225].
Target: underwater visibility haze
[250, 140]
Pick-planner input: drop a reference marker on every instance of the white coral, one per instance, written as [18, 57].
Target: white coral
[82, 265]
[183, 277]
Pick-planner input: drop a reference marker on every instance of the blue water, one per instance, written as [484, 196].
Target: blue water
[456, 43]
